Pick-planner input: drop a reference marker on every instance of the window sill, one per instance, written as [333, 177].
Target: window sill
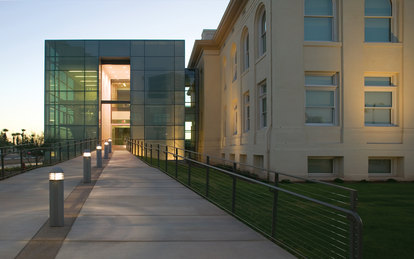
[246, 71]
[383, 44]
[381, 126]
[321, 125]
[261, 58]
[334, 44]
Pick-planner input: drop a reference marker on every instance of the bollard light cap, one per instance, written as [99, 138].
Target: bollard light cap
[87, 153]
[98, 147]
[106, 144]
[109, 140]
[56, 174]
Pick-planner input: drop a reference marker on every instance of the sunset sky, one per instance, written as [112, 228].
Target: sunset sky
[26, 24]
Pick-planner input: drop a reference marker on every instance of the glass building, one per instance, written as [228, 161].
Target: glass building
[115, 89]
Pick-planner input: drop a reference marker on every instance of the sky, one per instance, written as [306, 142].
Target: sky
[26, 24]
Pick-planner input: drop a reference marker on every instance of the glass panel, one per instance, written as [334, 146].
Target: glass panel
[91, 48]
[120, 90]
[137, 115]
[159, 63]
[137, 132]
[137, 80]
[159, 81]
[91, 132]
[179, 48]
[378, 99]
[378, 81]
[377, 30]
[137, 63]
[319, 98]
[179, 115]
[70, 48]
[71, 114]
[159, 115]
[159, 97]
[91, 115]
[69, 63]
[138, 48]
[179, 97]
[50, 80]
[320, 166]
[137, 97]
[377, 116]
[50, 48]
[159, 48]
[318, 7]
[91, 63]
[179, 80]
[159, 133]
[179, 63]
[379, 166]
[378, 8]
[319, 80]
[319, 115]
[91, 97]
[115, 48]
[318, 29]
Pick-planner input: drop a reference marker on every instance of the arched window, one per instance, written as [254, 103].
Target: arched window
[262, 32]
[319, 20]
[378, 21]
[246, 50]
[234, 58]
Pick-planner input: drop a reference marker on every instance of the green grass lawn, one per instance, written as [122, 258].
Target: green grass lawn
[386, 209]
[387, 212]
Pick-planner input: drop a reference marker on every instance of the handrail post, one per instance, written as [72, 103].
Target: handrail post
[151, 153]
[189, 169]
[158, 155]
[60, 151]
[50, 155]
[146, 151]
[274, 209]
[355, 239]
[233, 196]
[354, 200]
[166, 159]
[74, 148]
[2, 162]
[207, 176]
[67, 149]
[21, 159]
[176, 162]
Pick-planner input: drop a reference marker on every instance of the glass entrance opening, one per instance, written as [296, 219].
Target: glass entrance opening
[115, 103]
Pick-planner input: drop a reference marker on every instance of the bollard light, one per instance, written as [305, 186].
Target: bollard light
[56, 215]
[87, 166]
[106, 151]
[99, 156]
[110, 145]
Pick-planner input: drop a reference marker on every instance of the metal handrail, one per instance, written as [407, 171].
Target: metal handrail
[355, 247]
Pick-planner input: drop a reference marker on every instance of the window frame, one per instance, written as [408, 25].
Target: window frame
[393, 89]
[246, 112]
[393, 166]
[235, 119]
[262, 96]
[261, 32]
[334, 17]
[328, 88]
[336, 165]
[246, 51]
[393, 32]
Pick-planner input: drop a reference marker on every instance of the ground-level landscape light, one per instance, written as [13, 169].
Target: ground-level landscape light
[56, 190]
[99, 156]
[106, 151]
[87, 166]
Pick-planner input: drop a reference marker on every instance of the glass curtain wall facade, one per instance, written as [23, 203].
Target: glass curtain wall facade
[73, 88]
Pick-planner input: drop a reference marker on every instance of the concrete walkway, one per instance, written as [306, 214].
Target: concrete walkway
[134, 211]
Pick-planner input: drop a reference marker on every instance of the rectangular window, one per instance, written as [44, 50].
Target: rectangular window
[378, 21]
[380, 166]
[319, 20]
[246, 100]
[262, 101]
[320, 165]
[380, 99]
[235, 120]
[321, 99]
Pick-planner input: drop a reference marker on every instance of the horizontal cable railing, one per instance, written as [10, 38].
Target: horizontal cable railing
[18, 159]
[310, 218]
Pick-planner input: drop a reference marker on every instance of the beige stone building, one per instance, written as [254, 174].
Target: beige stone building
[316, 88]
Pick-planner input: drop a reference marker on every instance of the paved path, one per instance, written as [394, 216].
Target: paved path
[134, 211]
